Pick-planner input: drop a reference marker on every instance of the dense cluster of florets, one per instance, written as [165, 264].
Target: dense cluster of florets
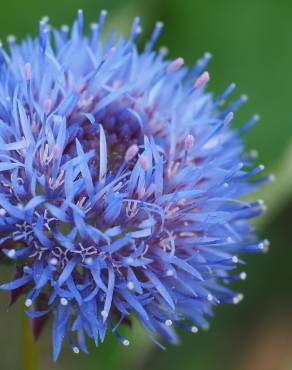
[120, 185]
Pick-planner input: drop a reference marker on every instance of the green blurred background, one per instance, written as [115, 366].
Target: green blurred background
[251, 43]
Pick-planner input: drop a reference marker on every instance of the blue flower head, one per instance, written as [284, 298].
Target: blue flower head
[121, 185]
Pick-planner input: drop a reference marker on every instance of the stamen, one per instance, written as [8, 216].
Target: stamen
[109, 54]
[144, 162]
[189, 142]
[243, 275]
[136, 28]
[48, 105]
[228, 118]
[56, 151]
[154, 36]
[27, 71]
[249, 124]
[221, 99]
[201, 64]
[126, 342]
[202, 80]
[102, 18]
[235, 105]
[131, 152]
[194, 329]
[175, 65]
[80, 21]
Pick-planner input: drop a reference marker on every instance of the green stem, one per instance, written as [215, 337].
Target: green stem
[29, 348]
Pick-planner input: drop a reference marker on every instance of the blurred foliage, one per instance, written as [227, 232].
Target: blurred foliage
[251, 44]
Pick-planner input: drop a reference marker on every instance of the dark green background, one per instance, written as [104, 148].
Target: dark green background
[251, 43]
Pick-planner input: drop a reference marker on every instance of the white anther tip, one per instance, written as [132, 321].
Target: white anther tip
[169, 273]
[53, 261]
[65, 28]
[28, 302]
[11, 253]
[104, 314]
[11, 38]
[88, 261]
[254, 153]
[76, 350]
[238, 298]
[63, 301]
[130, 285]
[168, 322]
[210, 297]
[266, 242]
[265, 245]
[163, 50]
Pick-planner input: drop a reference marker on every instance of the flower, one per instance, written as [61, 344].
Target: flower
[121, 185]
